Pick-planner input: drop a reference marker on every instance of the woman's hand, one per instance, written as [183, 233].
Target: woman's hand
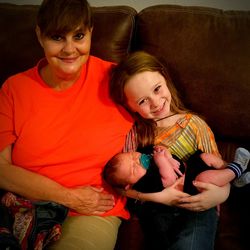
[85, 200]
[210, 196]
[89, 200]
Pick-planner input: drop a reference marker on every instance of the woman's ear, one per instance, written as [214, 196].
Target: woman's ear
[91, 31]
[39, 35]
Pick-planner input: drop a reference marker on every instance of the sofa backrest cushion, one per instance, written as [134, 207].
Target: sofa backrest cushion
[208, 53]
[113, 32]
[20, 50]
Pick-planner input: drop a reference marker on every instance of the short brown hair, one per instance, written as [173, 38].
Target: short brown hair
[63, 16]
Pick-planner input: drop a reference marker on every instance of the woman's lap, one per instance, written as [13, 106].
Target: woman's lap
[88, 233]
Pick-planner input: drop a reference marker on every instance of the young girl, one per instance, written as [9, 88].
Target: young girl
[142, 84]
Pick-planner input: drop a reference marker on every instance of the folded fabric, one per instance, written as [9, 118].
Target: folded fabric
[7, 239]
[35, 224]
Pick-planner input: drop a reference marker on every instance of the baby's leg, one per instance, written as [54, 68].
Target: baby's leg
[212, 160]
[242, 157]
[219, 177]
[225, 172]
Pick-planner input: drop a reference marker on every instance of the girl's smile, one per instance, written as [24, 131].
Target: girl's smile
[159, 111]
[147, 94]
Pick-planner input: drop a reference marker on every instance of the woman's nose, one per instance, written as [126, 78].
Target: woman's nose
[68, 46]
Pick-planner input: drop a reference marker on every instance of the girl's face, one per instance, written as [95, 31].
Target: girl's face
[147, 94]
[66, 53]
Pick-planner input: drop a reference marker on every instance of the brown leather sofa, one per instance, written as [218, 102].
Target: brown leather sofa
[208, 53]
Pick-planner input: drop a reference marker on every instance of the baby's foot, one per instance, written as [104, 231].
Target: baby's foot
[242, 157]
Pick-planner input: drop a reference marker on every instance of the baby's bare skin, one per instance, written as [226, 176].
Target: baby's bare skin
[219, 178]
[168, 166]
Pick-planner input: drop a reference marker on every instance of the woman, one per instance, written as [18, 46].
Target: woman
[57, 132]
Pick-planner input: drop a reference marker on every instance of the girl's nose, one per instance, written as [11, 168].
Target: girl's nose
[154, 102]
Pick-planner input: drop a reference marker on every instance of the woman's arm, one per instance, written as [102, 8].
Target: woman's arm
[87, 200]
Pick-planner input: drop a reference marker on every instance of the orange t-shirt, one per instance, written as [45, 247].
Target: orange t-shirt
[67, 135]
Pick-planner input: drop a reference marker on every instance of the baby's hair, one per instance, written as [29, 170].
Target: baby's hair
[135, 63]
[110, 172]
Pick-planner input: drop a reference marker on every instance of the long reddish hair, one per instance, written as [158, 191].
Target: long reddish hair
[135, 63]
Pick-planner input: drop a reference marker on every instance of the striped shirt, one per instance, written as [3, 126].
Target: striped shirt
[186, 136]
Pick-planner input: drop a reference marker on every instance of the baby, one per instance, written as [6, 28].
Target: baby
[126, 169]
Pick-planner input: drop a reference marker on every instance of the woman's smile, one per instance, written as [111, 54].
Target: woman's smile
[69, 59]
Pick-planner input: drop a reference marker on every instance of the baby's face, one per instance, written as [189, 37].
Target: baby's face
[130, 167]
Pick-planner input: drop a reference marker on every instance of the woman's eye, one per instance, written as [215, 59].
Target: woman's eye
[56, 37]
[79, 36]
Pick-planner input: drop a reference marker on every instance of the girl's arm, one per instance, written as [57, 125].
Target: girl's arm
[169, 196]
[211, 196]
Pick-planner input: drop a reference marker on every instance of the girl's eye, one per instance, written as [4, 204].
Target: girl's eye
[141, 102]
[79, 36]
[56, 37]
[157, 89]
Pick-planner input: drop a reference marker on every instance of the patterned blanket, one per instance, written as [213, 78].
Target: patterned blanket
[26, 224]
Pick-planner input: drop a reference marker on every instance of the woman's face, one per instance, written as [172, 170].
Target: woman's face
[147, 94]
[66, 53]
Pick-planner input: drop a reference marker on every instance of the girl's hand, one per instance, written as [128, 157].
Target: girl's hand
[89, 200]
[172, 195]
[210, 196]
[169, 196]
